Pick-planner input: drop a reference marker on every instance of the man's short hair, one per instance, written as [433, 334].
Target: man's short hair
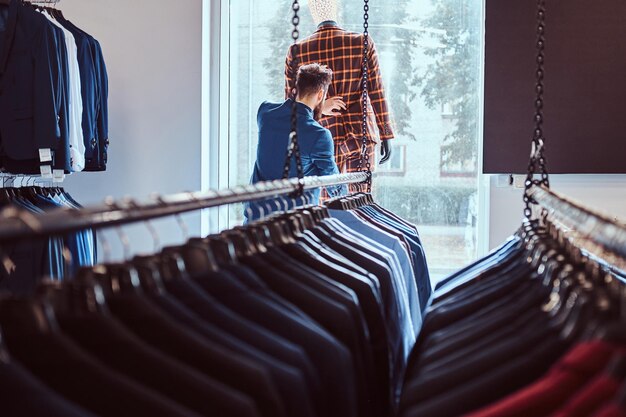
[313, 77]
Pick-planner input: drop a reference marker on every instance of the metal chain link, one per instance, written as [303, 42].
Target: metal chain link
[364, 159]
[537, 158]
[293, 149]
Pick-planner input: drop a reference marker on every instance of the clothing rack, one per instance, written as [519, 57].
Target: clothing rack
[16, 224]
[595, 231]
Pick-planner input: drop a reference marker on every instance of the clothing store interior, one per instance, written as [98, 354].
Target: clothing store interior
[312, 208]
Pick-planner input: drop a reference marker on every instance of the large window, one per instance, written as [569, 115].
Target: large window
[430, 53]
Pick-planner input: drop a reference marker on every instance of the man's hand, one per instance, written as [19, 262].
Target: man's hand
[333, 106]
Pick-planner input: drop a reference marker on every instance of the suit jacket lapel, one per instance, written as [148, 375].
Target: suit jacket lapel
[9, 35]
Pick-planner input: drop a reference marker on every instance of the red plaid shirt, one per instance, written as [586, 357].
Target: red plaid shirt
[342, 51]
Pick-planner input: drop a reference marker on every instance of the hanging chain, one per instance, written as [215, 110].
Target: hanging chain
[364, 159]
[537, 158]
[293, 149]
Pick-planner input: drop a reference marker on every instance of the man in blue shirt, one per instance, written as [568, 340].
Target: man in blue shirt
[316, 142]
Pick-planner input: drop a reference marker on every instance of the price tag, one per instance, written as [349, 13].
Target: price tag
[46, 171]
[45, 155]
[58, 175]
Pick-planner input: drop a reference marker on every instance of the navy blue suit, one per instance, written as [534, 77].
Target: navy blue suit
[316, 148]
[95, 92]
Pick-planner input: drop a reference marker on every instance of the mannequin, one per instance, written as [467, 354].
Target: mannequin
[324, 10]
[323, 47]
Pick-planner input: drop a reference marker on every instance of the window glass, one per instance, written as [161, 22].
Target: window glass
[430, 53]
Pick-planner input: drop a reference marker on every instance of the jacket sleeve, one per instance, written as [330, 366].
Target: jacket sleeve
[323, 157]
[48, 90]
[102, 116]
[376, 92]
[290, 79]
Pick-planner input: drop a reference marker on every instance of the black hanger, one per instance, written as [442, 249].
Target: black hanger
[223, 249]
[6, 196]
[26, 316]
[336, 203]
[258, 235]
[319, 213]
[57, 13]
[172, 264]
[242, 244]
[113, 278]
[13, 192]
[74, 297]
[199, 257]
[30, 193]
[276, 231]
[149, 274]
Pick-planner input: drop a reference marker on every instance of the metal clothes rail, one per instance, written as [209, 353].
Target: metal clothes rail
[593, 229]
[18, 224]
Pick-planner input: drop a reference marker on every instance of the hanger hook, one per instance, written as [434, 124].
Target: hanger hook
[267, 207]
[284, 202]
[105, 245]
[151, 229]
[261, 205]
[68, 259]
[278, 204]
[294, 201]
[125, 241]
[184, 229]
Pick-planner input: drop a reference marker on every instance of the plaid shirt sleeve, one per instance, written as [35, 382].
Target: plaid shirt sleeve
[290, 80]
[376, 92]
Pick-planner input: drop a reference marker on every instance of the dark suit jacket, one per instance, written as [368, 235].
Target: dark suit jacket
[33, 99]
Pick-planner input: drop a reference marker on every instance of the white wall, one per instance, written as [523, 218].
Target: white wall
[604, 193]
[153, 52]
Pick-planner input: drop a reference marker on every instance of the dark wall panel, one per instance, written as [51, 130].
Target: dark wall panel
[585, 83]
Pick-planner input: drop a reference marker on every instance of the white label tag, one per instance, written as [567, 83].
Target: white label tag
[46, 171]
[58, 175]
[45, 155]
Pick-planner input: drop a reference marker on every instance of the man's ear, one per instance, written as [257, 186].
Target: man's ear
[320, 94]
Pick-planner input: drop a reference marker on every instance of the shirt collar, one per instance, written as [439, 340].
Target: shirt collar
[302, 108]
[328, 24]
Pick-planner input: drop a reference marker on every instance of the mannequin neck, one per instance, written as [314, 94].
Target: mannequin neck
[324, 10]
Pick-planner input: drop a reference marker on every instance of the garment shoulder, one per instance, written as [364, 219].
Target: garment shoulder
[267, 106]
[33, 24]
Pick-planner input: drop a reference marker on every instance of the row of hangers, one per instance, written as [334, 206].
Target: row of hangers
[147, 273]
[53, 2]
[584, 291]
